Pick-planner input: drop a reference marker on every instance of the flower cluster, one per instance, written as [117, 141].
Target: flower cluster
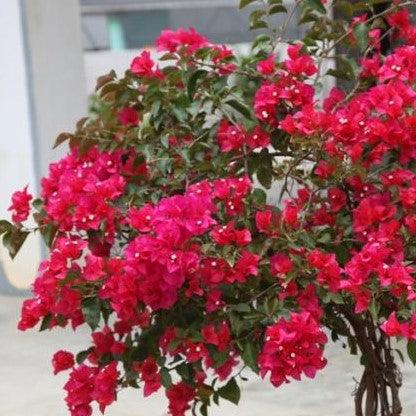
[234, 137]
[79, 191]
[276, 99]
[292, 347]
[20, 206]
[90, 384]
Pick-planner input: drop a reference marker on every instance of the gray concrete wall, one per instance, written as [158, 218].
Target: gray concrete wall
[56, 69]
[42, 92]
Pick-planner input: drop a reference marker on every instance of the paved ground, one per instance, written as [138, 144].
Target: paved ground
[28, 388]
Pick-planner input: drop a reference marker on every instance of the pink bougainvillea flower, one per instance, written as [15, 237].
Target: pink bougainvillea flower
[280, 264]
[62, 360]
[172, 41]
[230, 137]
[20, 205]
[180, 395]
[144, 66]
[128, 116]
[267, 66]
[292, 347]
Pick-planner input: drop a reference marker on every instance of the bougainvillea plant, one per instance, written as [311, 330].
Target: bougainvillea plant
[164, 241]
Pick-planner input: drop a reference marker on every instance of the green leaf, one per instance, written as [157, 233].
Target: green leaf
[259, 196]
[85, 145]
[185, 371]
[249, 355]
[13, 240]
[277, 9]
[104, 79]
[264, 176]
[257, 14]
[362, 6]
[61, 320]
[307, 240]
[245, 3]
[165, 378]
[70, 276]
[374, 309]
[91, 311]
[241, 108]
[193, 80]
[110, 88]
[5, 226]
[82, 356]
[345, 68]
[38, 204]
[314, 5]
[270, 305]
[237, 324]
[168, 57]
[48, 233]
[342, 253]
[345, 7]
[361, 33]
[337, 298]
[62, 137]
[255, 19]
[411, 351]
[155, 108]
[165, 141]
[219, 358]
[258, 24]
[325, 238]
[180, 113]
[261, 39]
[230, 392]
[46, 321]
[241, 307]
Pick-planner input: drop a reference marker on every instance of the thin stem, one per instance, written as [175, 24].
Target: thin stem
[259, 295]
[285, 25]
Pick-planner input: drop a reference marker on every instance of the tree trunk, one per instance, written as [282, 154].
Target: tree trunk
[377, 392]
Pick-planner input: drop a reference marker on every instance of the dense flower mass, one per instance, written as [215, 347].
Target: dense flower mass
[163, 241]
[291, 348]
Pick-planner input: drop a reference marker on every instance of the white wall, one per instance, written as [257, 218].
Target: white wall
[42, 92]
[17, 167]
[56, 71]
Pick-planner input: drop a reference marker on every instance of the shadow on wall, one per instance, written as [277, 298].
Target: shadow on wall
[7, 289]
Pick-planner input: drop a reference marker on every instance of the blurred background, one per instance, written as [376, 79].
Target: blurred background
[51, 52]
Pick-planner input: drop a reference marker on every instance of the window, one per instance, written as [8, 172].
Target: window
[134, 24]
